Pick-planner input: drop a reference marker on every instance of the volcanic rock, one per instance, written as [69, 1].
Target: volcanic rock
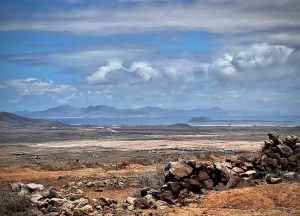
[179, 169]
[192, 185]
[203, 176]
[159, 204]
[249, 173]
[174, 187]
[284, 150]
[167, 196]
[220, 186]
[237, 170]
[141, 203]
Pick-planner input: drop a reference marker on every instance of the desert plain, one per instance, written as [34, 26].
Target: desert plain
[126, 159]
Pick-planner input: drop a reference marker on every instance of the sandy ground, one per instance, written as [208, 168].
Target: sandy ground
[15, 173]
[154, 144]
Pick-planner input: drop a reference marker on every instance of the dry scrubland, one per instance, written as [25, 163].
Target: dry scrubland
[110, 165]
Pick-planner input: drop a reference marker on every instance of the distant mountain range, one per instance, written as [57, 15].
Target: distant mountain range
[101, 111]
[200, 119]
[12, 120]
[106, 111]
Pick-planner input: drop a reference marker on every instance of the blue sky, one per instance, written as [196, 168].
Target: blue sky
[134, 53]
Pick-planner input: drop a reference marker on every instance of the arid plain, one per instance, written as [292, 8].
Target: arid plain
[129, 158]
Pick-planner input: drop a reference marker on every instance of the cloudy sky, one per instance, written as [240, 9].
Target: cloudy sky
[235, 54]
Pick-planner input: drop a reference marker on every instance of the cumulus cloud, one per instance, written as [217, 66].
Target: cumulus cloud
[144, 70]
[254, 64]
[169, 72]
[115, 72]
[256, 76]
[222, 65]
[261, 55]
[100, 75]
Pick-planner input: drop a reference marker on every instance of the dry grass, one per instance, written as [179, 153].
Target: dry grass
[154, 180]
[270, 200]
[14, 205]
[262, 197]
[14, 173]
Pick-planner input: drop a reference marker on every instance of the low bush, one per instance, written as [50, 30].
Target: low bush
[14, 205]
[154, 180]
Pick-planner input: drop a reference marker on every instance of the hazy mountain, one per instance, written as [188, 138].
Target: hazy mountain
[106, 111]
[154, 111]
[200, 119]
[90, 111]
[101, 111]
[12, 120]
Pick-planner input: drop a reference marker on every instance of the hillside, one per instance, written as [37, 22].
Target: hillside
[12, 120]
[200, 119]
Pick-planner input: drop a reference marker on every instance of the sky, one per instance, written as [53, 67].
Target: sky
[234, 54]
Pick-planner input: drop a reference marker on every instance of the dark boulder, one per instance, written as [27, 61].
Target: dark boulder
[174, 187]
[202, 176]
[209, 183]
[141, 203]
[284, 150]
[275, 138]
[144, 191]
[192, 185]
[167, 196]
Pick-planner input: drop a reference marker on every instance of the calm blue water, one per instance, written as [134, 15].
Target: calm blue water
[270, 120]
[124, 121]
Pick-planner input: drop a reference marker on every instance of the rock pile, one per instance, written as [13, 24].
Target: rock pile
[281, 154]
[55, 202]
[72, 201]
[278, 160]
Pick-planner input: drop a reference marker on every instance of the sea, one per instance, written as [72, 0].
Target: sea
[288, 121]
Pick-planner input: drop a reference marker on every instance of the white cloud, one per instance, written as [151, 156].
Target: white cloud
[160, 72]
[254, 64]
[227, 16]
[35, 86]
[116, 72]
[144, 70]
[223, 65]
[179, 69]
[262, 55]
[172, 71]
[100, 75]
[13, 101]
[109, 97]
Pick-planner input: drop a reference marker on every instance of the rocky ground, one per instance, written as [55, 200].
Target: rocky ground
[264, 182]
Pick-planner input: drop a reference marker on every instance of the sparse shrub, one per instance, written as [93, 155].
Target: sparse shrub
[60, 166]
[14, 205]
[142, 161]
[122, 165]
[154, 180]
